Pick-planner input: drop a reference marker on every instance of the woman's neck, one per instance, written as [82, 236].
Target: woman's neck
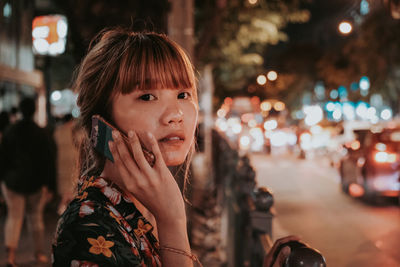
[110, 173]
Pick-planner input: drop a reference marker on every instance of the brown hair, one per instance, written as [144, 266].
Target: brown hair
[120, 61]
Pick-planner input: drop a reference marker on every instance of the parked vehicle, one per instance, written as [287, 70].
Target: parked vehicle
[371, 167]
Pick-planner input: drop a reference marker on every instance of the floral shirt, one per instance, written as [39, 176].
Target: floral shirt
[102, 227]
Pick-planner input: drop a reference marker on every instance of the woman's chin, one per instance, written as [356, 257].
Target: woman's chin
[173, 163]
[171, 159]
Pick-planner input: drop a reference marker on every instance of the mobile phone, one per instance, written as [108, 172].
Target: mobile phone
[101, 134]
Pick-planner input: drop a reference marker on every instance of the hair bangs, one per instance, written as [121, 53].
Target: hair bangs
[149, 62]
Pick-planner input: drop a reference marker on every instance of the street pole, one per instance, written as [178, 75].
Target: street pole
[180, 24]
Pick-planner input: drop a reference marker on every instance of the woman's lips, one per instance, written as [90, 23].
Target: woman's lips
[172, 140]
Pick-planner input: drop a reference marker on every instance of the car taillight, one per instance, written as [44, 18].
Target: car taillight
[385, 157]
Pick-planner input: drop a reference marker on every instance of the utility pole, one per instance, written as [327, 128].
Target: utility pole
[181, 25]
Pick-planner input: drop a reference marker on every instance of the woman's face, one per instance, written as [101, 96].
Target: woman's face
[169, 114]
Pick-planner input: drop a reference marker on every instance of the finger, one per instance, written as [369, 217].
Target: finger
[147, 151]
[283, 254]
[124, 155]
[123, 171]
[156, 151]
[283, 240]
[144, 139]
[130, 184]
[272, 253]
[137, 151]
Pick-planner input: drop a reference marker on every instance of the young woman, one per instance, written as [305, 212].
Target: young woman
[126, 212]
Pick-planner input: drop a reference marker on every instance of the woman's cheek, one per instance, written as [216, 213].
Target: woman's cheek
[191, 115]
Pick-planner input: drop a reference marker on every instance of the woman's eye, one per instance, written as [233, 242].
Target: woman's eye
[184, 95]
[147, 97]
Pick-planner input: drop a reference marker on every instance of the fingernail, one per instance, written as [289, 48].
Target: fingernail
[149, 135]
[110, 144]
[115, 134]
[130, 134]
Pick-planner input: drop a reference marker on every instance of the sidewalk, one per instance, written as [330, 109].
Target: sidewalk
[25, 257]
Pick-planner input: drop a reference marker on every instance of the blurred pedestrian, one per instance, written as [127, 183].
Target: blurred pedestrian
[66, 137]
[14, 115]
[28, 173]
[4, 122]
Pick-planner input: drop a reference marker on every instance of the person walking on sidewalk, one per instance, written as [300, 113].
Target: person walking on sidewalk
[27, 167]
[66, 136]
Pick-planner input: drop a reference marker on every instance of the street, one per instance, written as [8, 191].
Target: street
[308, 203]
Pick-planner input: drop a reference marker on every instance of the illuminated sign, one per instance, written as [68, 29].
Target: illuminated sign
[49, 35]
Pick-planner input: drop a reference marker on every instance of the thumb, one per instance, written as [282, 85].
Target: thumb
[283, 254]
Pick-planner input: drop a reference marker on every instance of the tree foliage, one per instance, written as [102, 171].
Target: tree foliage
[374, 51]
[233, 35]
[87, 18]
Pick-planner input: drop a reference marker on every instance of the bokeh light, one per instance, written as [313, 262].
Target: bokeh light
[279, 106]
[345, 27]
[334, 94]
[266, 106]
[272, 75]
[56, 95]
[270, 125]
[330, 106]
[261, 79]
[364, 83]
[386, 114]
[314, 114]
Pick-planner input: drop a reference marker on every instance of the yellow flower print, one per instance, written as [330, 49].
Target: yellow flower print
[82, 196]
[86, 184]
[116, 218]
[142, 228]
[100, 246]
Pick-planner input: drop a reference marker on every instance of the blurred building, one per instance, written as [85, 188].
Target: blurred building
[17, 74]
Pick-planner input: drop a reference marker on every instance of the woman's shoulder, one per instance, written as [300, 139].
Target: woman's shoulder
[86, 232]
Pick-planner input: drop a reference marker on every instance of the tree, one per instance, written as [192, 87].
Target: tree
[87, 18]
[374, 51]
[232, 36]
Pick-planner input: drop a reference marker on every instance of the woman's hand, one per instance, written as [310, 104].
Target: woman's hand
[154, 187]
[269, 260]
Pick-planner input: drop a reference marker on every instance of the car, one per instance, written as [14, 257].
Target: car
[371, 168]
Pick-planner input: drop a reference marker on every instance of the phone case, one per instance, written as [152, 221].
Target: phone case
[101, 134]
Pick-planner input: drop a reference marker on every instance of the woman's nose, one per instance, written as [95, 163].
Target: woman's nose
[172, 115]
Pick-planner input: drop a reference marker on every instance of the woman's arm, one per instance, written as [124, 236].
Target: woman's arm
[174, 243]
[157, 190]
